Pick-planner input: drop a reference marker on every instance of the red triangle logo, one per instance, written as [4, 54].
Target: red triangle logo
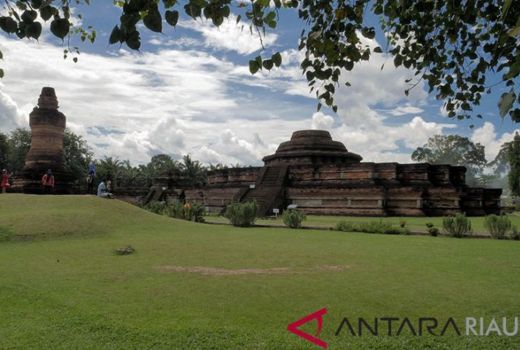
[318, 316]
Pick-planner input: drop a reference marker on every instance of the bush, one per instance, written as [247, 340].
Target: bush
[293, 218]
[432, 231]
[457, 226]
[497, 226]
[402, 224]
[241, 214]
[367, 227]
[156, 207]
[515, 233]
[397, 231]
[189, 211]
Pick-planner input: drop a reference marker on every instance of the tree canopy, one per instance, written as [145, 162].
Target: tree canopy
[462, 50]
[453, 150]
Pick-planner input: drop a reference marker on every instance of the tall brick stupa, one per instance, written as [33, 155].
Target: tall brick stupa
[46, 152]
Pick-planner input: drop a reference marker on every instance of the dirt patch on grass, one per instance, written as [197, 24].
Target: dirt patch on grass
[214, 271]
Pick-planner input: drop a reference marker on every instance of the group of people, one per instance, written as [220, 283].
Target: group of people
[104, 188]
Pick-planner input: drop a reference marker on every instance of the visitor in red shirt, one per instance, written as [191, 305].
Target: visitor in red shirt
[48, 182]
[5, 181]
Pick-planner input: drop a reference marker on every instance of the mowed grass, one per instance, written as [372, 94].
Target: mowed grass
[415, 224]
[62, 287]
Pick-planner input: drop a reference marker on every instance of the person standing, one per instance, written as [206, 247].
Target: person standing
[91, 176]
[5, 181]
[48, 182]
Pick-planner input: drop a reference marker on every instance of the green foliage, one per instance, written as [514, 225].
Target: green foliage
[157, 207]
[497, 226]
[293, 218]
[451, 48]
[188, 211]
[18, 144]
[515, 233]
[457, 226]
[513, 156]
[77, 154]
[453, 150]
[241, 214]
[367, 227]
[397, 231]
[432, 230]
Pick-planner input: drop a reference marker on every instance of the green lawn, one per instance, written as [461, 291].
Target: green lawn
[415, 224]
[199, 286]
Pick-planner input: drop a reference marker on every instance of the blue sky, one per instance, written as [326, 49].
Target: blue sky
[189, 91]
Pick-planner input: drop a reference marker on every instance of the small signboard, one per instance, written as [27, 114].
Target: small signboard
[252, 186]
[276, 211]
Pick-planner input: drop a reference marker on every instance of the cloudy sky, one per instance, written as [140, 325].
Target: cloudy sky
[189, 91]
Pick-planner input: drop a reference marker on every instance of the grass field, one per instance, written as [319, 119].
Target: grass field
[199, 286]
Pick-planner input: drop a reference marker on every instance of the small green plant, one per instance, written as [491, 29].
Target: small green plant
[402, 223]
[156, 207]
[189, 211]
[515, 233]
[497, 225]
[367, 227]
[345, 226]
[293, 218]
[432, 230]
[397, 231]
[241, 214]
[457, 226]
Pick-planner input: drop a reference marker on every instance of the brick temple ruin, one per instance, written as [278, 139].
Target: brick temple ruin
[46, 152]
[321, 176]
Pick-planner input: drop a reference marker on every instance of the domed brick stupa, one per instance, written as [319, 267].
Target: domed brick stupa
[320, 176]
[46, 152]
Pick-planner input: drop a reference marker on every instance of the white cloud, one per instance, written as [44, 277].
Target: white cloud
[406, 109]
[230, 35]
[11, 116]
[322, 121]
[487, 136]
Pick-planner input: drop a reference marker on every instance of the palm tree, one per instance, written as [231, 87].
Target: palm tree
[193, 171]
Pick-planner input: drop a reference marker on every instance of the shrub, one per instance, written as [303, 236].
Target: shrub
[367, 227]
[345, 226]
[515, 233]
[189, 211]
[156, 207]
[497, 226]
[402, 224]
[397, 231]
[241, 214]
[457, 226]
[293, 218]
[433, 231]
